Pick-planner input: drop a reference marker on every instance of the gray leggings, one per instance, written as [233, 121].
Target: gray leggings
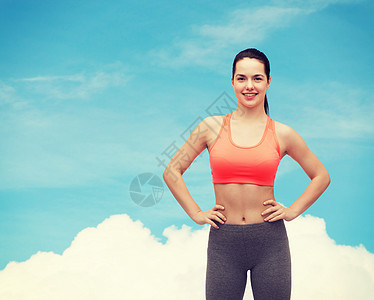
[262, 248]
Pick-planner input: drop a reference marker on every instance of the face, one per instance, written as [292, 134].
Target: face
[250, 82]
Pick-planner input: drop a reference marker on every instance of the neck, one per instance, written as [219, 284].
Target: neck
[245, 114]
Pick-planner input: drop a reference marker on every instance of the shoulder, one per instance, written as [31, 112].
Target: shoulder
[211, 124]
[213, 120]
[292, 142]
[283, 131]
[207, 127]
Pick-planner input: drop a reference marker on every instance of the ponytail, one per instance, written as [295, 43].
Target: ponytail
[266, 105]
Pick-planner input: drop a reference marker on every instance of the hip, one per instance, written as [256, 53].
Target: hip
[264, 234]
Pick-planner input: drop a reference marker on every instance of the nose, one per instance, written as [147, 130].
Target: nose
[249, 84]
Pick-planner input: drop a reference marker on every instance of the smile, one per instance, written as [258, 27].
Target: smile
[249, 96]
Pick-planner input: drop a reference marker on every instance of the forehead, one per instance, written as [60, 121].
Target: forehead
[249, 66]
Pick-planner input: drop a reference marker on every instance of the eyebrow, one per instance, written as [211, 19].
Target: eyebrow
[253, 75]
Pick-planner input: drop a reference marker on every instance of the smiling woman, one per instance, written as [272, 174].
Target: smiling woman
[245, 148]
[258, 80]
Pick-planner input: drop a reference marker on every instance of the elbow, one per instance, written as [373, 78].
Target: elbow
[165, 175]
[323, 179]
[170, 173]
[166, 172]
[326, 179]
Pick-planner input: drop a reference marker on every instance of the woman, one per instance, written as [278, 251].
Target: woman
[247, 224]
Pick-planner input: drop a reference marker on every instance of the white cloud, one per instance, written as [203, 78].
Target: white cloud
[76, 77]
[208, 41]
[207, 44]
[121, 259]
[6, 93]
[248, 24]
[78, 86]
[8, 96]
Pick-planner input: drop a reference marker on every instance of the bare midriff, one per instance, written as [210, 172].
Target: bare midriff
[243, 202]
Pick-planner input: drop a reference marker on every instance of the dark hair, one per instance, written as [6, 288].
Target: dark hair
[254, 53]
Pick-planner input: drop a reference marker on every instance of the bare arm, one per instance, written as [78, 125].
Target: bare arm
[174, 180]
[195, 144]
[297, 149]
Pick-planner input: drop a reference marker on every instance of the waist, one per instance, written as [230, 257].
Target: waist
[276, 225]
[243, 203]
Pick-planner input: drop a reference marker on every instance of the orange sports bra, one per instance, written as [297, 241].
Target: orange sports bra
[231, 163]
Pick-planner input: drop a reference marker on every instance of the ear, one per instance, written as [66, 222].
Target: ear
[269, 80]
[232, 81]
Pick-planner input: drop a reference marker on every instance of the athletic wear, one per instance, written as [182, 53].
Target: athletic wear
[262, 248]
[256, 164]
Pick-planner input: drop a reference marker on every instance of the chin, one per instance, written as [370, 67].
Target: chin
[250, 103]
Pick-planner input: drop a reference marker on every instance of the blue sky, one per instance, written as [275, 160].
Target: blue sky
[92, 92]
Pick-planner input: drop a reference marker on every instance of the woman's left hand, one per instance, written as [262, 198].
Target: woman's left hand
[277, 212]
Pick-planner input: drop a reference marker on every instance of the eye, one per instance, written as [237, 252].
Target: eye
[258, 78]
[240, 78]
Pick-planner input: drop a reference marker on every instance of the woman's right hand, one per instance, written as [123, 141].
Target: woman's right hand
[203, 217]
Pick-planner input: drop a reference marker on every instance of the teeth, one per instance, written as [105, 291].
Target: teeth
[249, 94]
